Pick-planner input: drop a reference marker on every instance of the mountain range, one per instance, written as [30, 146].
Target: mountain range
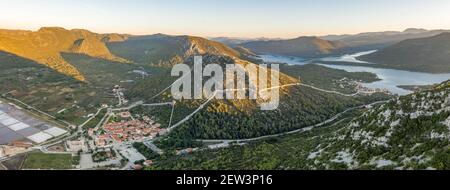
[377, 40]
[56, 69]
[431, 54]
[302, 47]
[233, 42]
[101, 61]
[46, 45]
[310, 47]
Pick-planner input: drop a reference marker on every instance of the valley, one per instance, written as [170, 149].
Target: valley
[119, 112]
[388, 78]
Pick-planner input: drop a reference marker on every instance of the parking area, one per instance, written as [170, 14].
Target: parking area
[15, 124]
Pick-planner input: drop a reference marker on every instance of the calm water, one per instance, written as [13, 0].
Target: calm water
[352, 58]
[390, 78]
[285, 59]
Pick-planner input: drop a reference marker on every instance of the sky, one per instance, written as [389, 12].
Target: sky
[230, 18]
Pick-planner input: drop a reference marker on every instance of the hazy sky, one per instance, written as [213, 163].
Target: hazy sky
[233, 18]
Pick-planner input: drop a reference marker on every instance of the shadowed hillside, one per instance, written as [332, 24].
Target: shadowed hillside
[376, 40]
[166, 50]
[45, 45]
[424, 54]
[302, 47]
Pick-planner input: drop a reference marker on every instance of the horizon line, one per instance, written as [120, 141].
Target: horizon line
[35, 29]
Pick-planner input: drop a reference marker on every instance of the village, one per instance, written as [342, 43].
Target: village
[108, 143]
[123, 127]
[358, 86]
[107, 139]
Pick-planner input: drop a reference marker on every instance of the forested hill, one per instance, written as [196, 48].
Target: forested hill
[409, 132]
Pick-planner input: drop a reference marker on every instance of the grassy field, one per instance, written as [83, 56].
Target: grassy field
[94, 122]
[38, 160]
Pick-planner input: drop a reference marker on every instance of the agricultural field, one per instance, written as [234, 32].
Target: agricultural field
[39, 160]
[63, 96]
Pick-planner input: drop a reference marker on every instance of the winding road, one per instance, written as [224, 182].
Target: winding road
[290, 132]
[327, 91]
[227, 90]
[43, 148]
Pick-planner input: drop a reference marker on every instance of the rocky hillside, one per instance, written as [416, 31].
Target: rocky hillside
[430, 54]
[166, 50]
[94, 48]
[299, 106]
[411, 132]
[302, 47]
[46, 45]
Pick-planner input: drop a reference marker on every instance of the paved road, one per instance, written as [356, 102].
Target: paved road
[162, 91]
[153, 147]
[328, 91]
[133, 105]
[214, 94]
[65, 137]
[227, 90]
[91, 118]
[2, 167]
[159, 104]
[193, 113]
[139, 103]
[290, 132]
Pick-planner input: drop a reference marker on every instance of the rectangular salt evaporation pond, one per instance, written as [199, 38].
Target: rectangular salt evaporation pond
[55, 131]
[9, 121]
[40, 137]
[4, 116]
[7, 135]
[18, 126]
[28, 131]
[4, 131]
